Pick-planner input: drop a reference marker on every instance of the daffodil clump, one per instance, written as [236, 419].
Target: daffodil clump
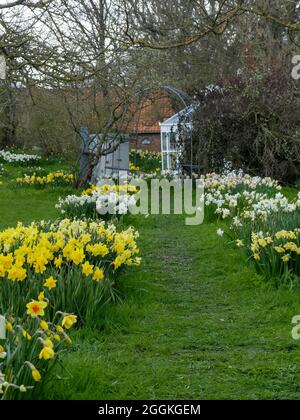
[277, 255]
[236, 194]
[58, 178]
[30, 348]
[246, 205]
[134, 168]
[72, 264]
[113, 188]
[145, 161]
[105, 201]
[18, 158]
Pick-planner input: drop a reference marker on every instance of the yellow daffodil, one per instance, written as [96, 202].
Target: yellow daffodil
[46, 353]
[41, 296]
[9, 326]
[59, 329]
[58, 262]
[68, 321]
[36, 308]
[279, 249]
[87, 268]
[262, 242]
[44, 325]
[26, 335]
[17, 273]
[286, 258]
[239, 243]
[77, 256]
[36, 375]
[98, 250]
[98, 274]
[50, 283]
[48, 343]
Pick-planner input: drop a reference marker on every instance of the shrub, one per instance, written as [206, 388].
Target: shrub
[252, 121]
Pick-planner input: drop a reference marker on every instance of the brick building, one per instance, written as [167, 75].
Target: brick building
[145, 128]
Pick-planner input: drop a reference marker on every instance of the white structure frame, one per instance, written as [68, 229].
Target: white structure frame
[169, 136]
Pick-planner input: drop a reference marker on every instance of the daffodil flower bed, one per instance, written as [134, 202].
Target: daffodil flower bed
[114, 188]
[278, 255]
[72, 264]
[256, 214]
[58, 178]
[104, 201]
[228, 196]
[30, 349]
[18, 158]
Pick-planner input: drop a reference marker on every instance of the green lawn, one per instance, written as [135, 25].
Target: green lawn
[195, 323]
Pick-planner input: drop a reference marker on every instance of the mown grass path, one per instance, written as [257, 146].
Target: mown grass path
[195, 322]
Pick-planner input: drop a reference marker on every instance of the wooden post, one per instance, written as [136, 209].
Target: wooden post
[84, 147]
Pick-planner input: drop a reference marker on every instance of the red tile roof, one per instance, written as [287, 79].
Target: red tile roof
[153, 111]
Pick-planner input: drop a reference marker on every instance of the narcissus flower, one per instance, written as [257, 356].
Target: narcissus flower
[77, 256]
[41, 296]
[17, 274]
[87, 269]
[26, 335]
[279, 249]
[58, 262]
[98, 274]
[286, 258]
[68, 321]
[262, 242]
[36, 375]
[9, 326]
[36, 308]
[2, 353]
[46, 353]
[50, 283]
[59, 329]
[48, 343]
[44, 325]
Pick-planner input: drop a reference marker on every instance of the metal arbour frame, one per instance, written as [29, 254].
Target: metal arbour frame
[184, 119]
